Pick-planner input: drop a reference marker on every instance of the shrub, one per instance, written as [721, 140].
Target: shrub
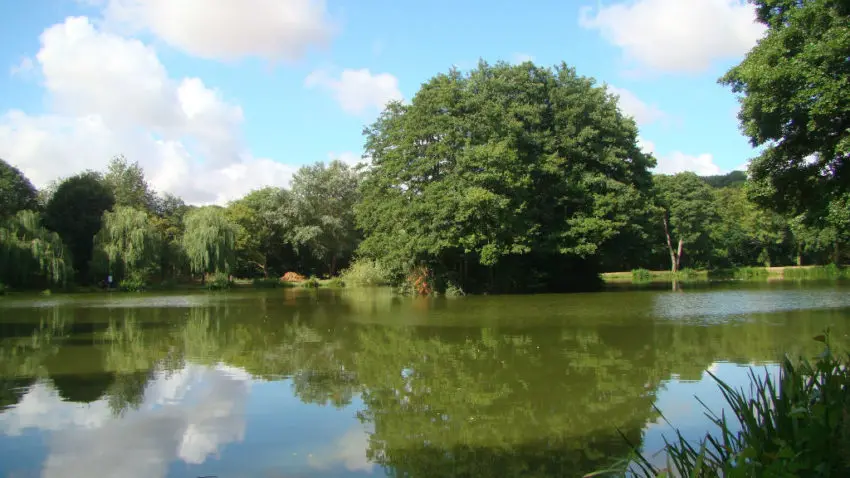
[218, 281]
[419, 281]
[269, 283]
[366, 272]
[453, 290]
[336, 283]
[311, 283]
[132, 284]
[641, 275]
[748, 273]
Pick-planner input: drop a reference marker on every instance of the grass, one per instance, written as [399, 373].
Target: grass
[643, 276]
[796, 425]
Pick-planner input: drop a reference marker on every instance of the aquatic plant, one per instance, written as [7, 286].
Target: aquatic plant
[794, 425]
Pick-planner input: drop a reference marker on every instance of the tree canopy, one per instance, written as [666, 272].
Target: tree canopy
[499, 165]
[16, 191]
[128, 184]
[75, 212]
[129, 242]
[209, 240]
[795, 103]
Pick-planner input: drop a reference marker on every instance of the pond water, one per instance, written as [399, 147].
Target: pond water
[298, 383]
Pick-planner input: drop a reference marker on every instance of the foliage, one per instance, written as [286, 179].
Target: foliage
[130, 243]
[311, 283]
[641, 275]
[749, 273]
[209, 240]
[336, 283]
[218, 281]
[128, 184]
[321, 216]
[456, 176]
[261, 228]
[3, 288]
[830, 271]
[16, 191]
[167, 217]
[687, 211]
[732, 179]
[30, 255]
[367, 272]
[75, 212]
[260, 283]
[132, 283]
[796, 103]
[796, 425]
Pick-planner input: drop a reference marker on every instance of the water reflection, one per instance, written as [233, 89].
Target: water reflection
[334, 384]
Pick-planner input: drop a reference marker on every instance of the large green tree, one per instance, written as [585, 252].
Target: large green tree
[75, 212]
[322, 214]
[795, 103]
[167, 217]
[130, 243]
[128, 184]
[505, 176]
[209, 240]
[260, 232]
[687, 212]
[16, 191]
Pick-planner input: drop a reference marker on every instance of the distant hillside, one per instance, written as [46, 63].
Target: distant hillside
[734, 179]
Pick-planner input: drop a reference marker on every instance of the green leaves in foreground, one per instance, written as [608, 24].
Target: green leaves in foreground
[797, 425]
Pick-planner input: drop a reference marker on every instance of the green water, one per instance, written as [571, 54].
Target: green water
[298, 383]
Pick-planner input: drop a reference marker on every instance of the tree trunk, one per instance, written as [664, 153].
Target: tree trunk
[679, 254]
[333, 265]
[799, 255]
[674, 263]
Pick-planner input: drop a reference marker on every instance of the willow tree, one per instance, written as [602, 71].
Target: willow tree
[209, 240]
[129, 242]
[30, 255]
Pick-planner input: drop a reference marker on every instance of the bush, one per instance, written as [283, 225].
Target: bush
[218, 281]
[366, 272]
[336, 283]
[132, 284]
[749, 273]
[311, 283]
[641, 275]
[798, 425]
[269, 283]
[453, 290]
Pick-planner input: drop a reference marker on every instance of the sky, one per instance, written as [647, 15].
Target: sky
[215, 98]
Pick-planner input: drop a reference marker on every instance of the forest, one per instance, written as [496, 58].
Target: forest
[504, 178]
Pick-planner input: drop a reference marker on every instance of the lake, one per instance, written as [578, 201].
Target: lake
[302, 383]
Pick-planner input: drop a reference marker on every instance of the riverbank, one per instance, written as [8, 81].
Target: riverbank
[638, 276]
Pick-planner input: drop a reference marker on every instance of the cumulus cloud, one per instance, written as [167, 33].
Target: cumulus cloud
[679, 162]
[226, 30]
[348, 157]
[357, 91]
[633, 106]
[111, 95]
[349, 450]
[676, 35]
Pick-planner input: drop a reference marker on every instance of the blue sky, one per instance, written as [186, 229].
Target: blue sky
[218, 98]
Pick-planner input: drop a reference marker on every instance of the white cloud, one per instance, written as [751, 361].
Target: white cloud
[633, 106]
[111, 95]
[226, 30]
[678, 162]
[521, 57]
[357, 91]
[677, 35]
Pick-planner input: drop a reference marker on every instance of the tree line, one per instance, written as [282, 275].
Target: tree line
[503, 178]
